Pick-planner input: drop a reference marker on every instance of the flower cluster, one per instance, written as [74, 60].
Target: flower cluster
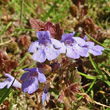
[49, 48]
[74, 47]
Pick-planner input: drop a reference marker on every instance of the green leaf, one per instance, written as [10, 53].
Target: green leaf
[91, 86]
[4, 93]
[95, 66]
[98, 71]
[87, 76]
[107, 82]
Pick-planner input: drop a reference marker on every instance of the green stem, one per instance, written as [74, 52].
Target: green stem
[21, 12]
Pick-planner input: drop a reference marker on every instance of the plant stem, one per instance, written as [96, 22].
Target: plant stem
[21, 12]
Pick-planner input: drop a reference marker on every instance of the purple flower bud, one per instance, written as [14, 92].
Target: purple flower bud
[44, 95]
[85, 37]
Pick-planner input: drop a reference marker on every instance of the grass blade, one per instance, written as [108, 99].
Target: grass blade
[95, 66]
[48, 13]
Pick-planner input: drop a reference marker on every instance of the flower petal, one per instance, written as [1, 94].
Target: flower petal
[16, 84]
[24, 76]
[95, 51]
[63, 48]
[52, 53]
[41, 77]
[89, 43]
[82, 51]
[67, 35]
[80, 41]
[56, 43]
[33, 47]
[10, 80]
[39, 56]
[43, 34]
[3, 84]
[9, 76]
[85, 37]
[99, 47]
[30, 85]
[71, 53]
[87, 54]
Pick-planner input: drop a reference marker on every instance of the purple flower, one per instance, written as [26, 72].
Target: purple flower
[30, 80]
[44, 97]
[73, 46]
[45, 47]
[93, 49]
[85, 37]
[9, 81]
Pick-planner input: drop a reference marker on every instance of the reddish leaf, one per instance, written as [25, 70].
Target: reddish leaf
[10, 29]
[9, 65]
[5, 105]
[78, 2]
[44, 68]
[84, 11]
[6, 65]
[59, 31]
[61, 96]
[87, 25]
[38, 10]
[3, 54]
[6, 1]
[55, 30]
[75, 87]
[55, 66]
[50, 27]
[37, 24]
[24, 41]
[74, 10]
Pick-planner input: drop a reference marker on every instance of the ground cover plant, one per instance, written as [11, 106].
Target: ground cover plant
[54, 55]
